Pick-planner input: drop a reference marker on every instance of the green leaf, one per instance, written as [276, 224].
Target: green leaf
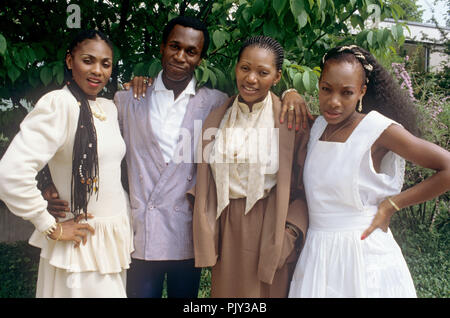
[58, 72]
[361, 37]
[29, 53]
[357, 20]
[278, 6]
[297, 7]
[394, 32]
[270, 29]
[33, 78]
[40, 53]
[386, 37]
[258, 8]
[246, 14]
[19, 58]
[399, 31]
[302, 19]
[213, 79]
[198, 74]
[60, 76]
[219, 38]
[309, 81]
[298, 83]
[3, 44]
[370, 38]
[46, 75]
[202, 75]
[138, 69]
[154, 68]
[13, 73]
[398, 10]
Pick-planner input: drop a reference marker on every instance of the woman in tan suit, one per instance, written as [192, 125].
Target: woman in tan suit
[250, 215]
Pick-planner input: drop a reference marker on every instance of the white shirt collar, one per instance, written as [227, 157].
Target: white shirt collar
[190, 88]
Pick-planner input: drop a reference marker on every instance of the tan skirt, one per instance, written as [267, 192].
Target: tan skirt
[55, 282]
[235, 273]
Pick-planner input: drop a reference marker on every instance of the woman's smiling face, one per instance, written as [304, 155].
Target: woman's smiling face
[91, 65]
[256, 73]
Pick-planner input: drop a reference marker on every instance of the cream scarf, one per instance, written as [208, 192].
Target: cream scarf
[244, 158]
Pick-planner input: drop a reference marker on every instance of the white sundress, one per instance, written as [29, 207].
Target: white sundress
[343, 192]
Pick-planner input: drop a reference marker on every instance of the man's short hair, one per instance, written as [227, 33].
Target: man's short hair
[189, 22]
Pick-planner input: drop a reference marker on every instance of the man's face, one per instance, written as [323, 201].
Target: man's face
[181, 54]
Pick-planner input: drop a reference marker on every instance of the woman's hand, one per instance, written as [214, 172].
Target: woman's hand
[71, 230]
[381, 219]
[139, 85]
[294, 105]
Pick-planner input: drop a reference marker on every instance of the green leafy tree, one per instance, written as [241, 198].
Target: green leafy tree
[411, 10]
[35, 33]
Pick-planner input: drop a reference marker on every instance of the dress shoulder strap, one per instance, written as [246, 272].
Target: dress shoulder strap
[317, 129]
[373, 125]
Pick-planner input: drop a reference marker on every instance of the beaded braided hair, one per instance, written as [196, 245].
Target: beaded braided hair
[268, 43]
[85, 171]
[383, 93]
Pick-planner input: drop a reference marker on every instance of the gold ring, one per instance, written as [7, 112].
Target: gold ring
[291, 108]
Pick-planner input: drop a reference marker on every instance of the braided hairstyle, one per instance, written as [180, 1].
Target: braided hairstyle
[383, 92]
[85, 171]
[265, 42]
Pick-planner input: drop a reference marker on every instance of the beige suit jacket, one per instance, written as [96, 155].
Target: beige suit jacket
[286, 203]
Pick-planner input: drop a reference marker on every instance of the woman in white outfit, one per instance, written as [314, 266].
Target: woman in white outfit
[78, 135]
[353, 179]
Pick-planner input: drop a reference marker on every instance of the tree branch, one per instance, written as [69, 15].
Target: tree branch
[205, 10]
[325, 33]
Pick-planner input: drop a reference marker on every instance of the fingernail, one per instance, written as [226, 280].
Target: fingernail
[281, 121]
[297, 128]
[290, 126]
[363, 237]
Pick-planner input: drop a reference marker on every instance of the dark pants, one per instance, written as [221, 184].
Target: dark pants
[145, 279]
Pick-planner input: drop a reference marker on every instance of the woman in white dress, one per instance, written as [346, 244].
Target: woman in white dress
[353, 179]
[78, 135]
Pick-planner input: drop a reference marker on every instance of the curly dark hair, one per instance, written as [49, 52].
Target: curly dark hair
[383, 92]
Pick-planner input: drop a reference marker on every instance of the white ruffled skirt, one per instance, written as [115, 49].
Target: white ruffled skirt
[97, 269]
[339, 264]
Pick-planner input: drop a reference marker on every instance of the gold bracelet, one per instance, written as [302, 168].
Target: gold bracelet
[393, 204]
[60, 233]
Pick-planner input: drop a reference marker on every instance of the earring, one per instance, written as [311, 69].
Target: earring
[360, 105]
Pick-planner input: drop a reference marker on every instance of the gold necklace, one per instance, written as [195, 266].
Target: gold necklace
[100, 115]
[327, 138]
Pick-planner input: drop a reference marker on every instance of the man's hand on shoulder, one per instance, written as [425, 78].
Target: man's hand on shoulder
[139, 85]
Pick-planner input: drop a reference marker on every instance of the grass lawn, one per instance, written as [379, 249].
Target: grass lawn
[426, 252]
